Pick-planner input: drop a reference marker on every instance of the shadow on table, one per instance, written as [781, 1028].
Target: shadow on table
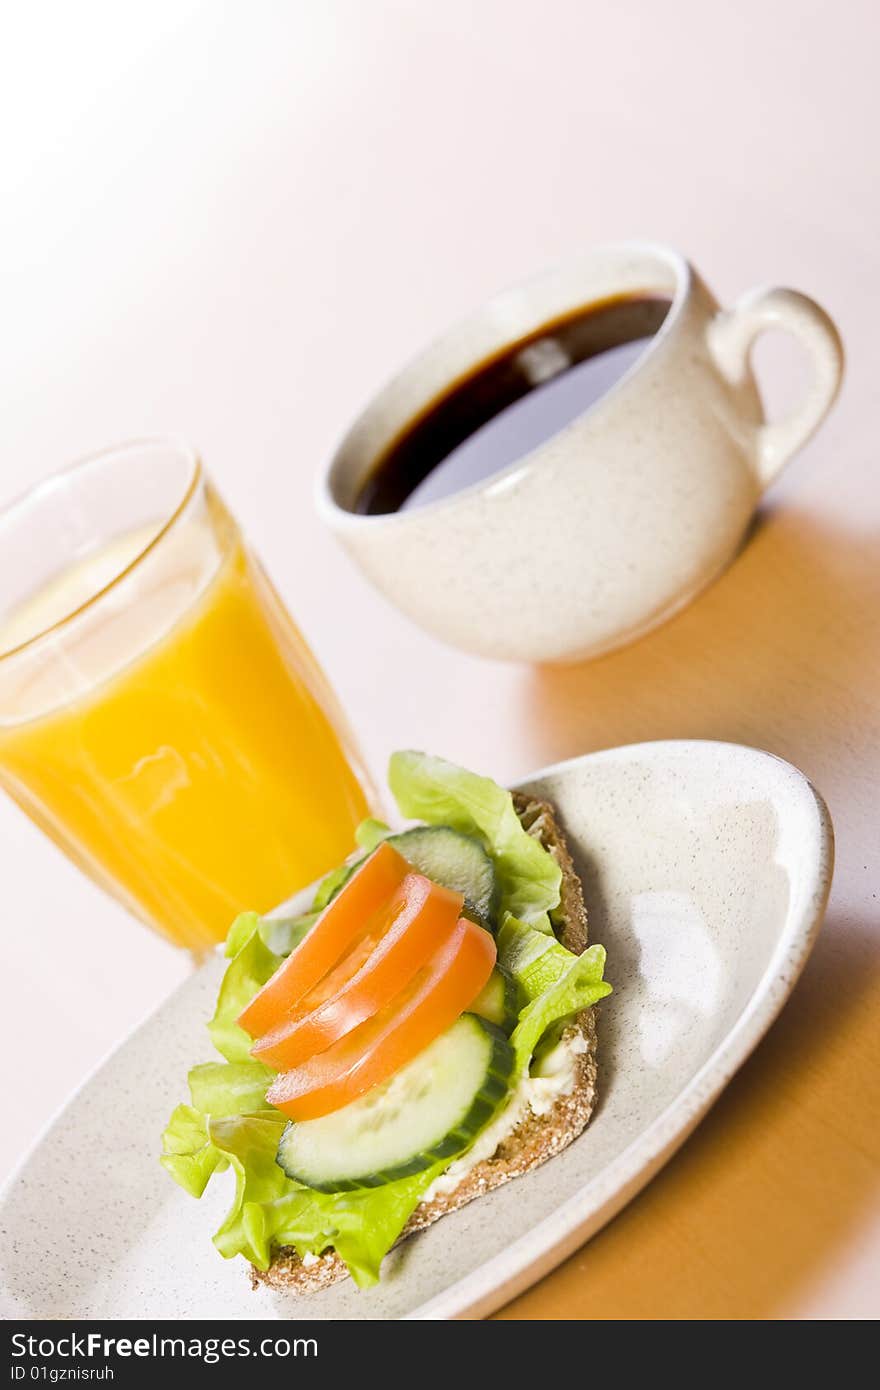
[768, 1191]
[776, 644]
[783, 652]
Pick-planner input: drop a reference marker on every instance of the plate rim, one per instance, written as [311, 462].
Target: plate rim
[545, 1245]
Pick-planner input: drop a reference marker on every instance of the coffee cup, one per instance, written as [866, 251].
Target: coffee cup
[605, 528]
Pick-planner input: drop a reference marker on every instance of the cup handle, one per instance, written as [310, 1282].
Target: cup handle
[731, 335]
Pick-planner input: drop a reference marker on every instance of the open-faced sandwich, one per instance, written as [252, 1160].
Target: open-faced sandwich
[421, 1035]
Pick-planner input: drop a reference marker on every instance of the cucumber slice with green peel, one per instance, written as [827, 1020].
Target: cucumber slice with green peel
[497, 1000]
[455, 861]
[431, 1110]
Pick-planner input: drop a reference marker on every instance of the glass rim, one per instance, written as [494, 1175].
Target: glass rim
[173, 443]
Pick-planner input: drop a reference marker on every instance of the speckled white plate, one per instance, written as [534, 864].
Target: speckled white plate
[706, 868]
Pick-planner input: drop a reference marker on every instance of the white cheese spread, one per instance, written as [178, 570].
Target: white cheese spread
[554, 1076]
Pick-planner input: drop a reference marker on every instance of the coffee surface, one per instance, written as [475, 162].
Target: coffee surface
[512, 403]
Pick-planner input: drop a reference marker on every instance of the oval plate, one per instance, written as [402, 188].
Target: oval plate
[706, 868]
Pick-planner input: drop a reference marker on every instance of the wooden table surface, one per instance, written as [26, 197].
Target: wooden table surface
[235, 222]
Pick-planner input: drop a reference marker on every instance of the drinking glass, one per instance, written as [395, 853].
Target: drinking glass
[161, 717]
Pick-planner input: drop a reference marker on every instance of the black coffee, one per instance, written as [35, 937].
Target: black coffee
[512, 403]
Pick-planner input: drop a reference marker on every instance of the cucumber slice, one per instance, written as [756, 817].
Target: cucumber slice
[456, 861]
[497, 1000]
[432, 1109]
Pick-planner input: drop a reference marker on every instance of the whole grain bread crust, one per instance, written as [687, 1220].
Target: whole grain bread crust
[535, 1138]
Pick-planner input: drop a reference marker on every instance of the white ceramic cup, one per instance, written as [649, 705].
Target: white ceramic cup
[612, 524]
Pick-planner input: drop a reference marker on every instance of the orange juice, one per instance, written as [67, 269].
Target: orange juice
[201, 775]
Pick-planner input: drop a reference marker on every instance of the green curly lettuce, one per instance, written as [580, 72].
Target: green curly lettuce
[553, 983]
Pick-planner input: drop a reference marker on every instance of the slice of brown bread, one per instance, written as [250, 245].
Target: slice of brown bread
[535, 1138]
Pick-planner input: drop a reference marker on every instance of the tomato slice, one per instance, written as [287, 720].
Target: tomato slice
[441, 991]
[424, 915]
[342, 922]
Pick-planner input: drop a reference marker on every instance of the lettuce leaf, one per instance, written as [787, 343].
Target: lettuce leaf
[553, 983]
[361, 1226]
[331, 883]
[269, 1209]
[251, 966]
[220, 1089]
[433, 790]
[279, 934]
[283, 934]
[187, 1152]
[249, 1143]
[240, 933]
[371, 832]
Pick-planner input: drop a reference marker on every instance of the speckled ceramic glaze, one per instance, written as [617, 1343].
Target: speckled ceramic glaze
[619, 519]
[706, 868]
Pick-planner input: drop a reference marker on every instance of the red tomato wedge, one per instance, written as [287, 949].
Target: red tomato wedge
[424, 916]
[441, 991]
[341, 924]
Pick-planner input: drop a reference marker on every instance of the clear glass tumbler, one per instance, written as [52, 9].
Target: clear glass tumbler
[161, 717]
